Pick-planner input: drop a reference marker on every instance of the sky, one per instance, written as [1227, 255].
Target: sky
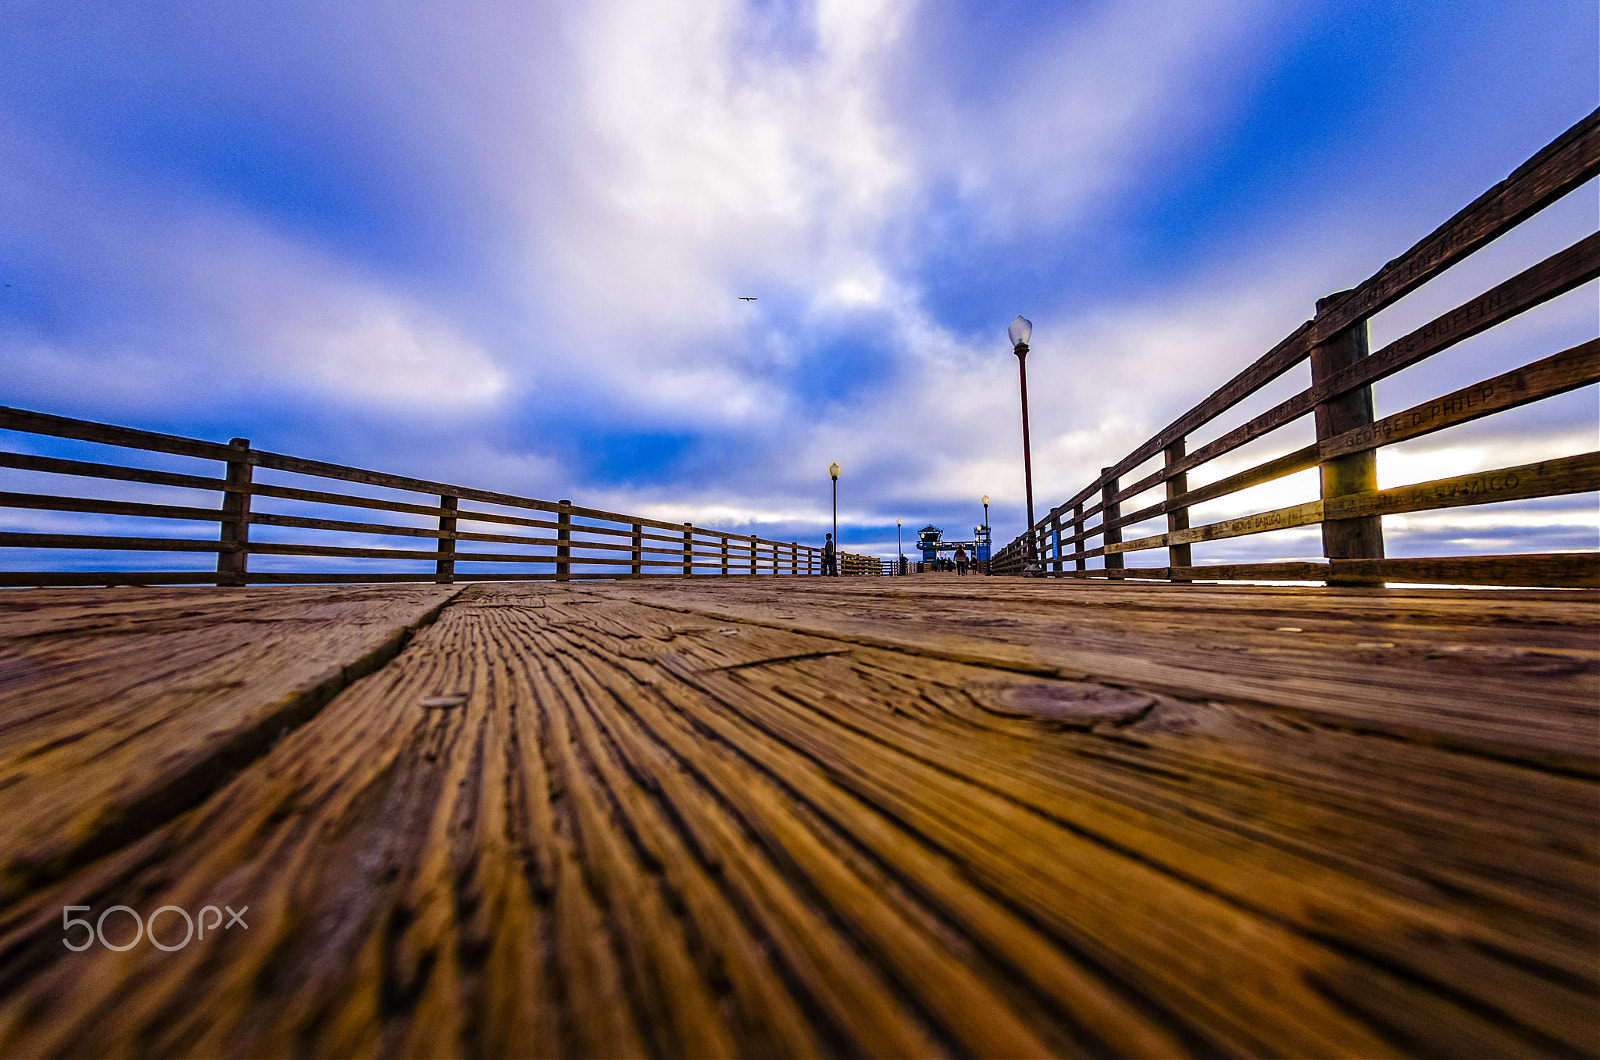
[504, 244]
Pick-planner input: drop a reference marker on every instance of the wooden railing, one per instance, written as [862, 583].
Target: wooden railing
[468, 534]
[1348, 434]
[853, 565]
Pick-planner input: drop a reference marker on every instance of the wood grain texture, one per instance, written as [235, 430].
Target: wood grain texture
[1515, 673]
[887, 817]
[85, 430]
[127, 708]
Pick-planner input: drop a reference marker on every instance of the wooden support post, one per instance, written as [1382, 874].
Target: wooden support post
[724, 555]
[638, 548]
[1055, 540]
[1110, 511]
[688, 546]
[1361, 537]
[233, 562]
[794, 557]
[1178, 518]
[1077, 528]
[444, 568]
[563, 546]
[752, 557]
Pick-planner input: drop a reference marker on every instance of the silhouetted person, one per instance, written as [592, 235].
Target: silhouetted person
[961, 559]
[830, 557]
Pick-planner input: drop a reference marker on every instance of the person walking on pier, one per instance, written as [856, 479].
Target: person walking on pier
[830, 557]
[961, 559]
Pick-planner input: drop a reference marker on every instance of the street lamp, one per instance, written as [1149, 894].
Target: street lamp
[1020, 331]
[988, 538]
[899, 556]
[833, 473]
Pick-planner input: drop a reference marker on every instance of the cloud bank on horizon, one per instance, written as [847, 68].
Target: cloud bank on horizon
[504, 245]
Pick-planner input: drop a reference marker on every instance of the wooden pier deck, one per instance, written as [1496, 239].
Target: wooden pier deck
[892, 817]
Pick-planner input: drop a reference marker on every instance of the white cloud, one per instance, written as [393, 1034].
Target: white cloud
[199, 298]
[619, 172]
[1081, 102]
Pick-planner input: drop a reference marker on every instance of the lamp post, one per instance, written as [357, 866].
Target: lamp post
[833, 473]
[1020, 331]
[899, 556]
[988, 539]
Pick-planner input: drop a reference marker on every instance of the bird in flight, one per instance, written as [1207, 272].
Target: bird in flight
[748, 297]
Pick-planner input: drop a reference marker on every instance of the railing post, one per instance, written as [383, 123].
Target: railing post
[752, 557]
[724, 555]
[688, 544]
[234, 535]
[1178, 518]
[1110, 511]
[794, 558]
[444, 568]
[1077, 529]
[1055, 540]
[563, 543]
[1361, 537]
[638, 548]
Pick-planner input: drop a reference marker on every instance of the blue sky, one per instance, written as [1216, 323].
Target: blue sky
[502, 244]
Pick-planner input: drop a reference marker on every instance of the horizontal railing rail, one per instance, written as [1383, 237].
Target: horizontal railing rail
[1349, 434]
[853, 565]
[463, 532]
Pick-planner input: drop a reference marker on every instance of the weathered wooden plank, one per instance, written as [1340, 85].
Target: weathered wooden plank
[1534, 690]
[1278, 519]
[1556, 374]
[831, 690]
[641, 832]
[625, 976]
[1186, 852]
[914, 816]
[390, 529]
[384, 529]
[818, 846]
[347, 500]
[81, 577]
[1353, 474]
[1547, 478]
[1541, 570]
[88, 469]
[123, 710]
[1279, 571]
[53, 503]
[233, 559]
[88, 578]
[99, 542]
[1555, 569]
[84, 430]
